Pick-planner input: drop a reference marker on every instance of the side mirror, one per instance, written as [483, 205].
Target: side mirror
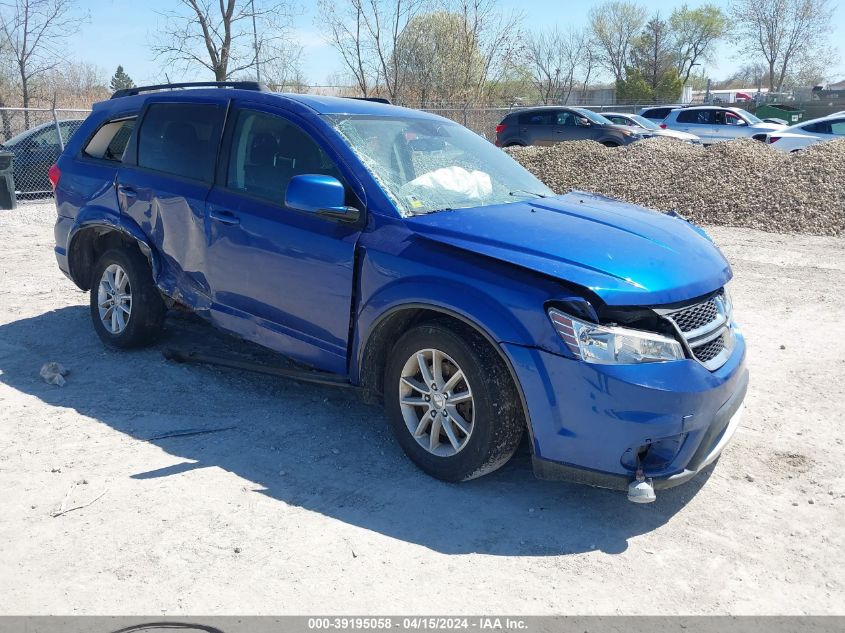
[322, 195]
[584, 122]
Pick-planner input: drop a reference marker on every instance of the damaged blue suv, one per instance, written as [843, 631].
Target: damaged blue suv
[402, 253]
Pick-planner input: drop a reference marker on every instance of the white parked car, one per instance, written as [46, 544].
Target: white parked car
[642, 123]
[716, 123]
[808, 133]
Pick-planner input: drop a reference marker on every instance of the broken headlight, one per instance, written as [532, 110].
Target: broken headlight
[608, 344]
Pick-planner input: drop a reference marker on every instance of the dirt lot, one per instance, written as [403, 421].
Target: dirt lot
[307, 505]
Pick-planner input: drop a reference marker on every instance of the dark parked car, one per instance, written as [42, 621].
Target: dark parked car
[657, 113]
[397, 251]
[553, 124]
[35, 150]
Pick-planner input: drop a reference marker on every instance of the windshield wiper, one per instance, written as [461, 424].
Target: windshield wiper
[516, 192]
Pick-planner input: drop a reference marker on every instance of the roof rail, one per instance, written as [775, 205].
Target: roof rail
[242, 85]
[373, 99]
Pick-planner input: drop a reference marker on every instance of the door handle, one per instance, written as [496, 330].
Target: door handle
[224, 217]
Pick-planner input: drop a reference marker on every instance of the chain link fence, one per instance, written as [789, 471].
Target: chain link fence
[34, 138]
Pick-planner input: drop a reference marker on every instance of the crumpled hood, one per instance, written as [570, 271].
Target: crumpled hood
[626, 254]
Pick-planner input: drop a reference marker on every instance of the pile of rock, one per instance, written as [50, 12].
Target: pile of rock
[735, 183]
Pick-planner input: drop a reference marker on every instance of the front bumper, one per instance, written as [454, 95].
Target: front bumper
[588, 422]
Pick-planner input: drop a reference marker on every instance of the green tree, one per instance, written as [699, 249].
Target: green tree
[614, 26]
[694, 35]
[633, 88]
[669, 88]
[651, 52]
[120, 80]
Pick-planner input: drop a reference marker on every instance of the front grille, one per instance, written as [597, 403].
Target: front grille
[707, 352]
[697, 316]
[706, 328]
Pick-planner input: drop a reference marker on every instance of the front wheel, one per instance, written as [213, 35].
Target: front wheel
[451, 403]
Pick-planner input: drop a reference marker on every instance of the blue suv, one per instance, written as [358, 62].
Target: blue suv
[409, 256]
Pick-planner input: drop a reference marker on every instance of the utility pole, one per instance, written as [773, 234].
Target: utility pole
[255, 41]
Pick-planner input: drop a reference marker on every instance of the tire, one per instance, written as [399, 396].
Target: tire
[143, 322]
[610, 143]
[483, 401]
[515, 145]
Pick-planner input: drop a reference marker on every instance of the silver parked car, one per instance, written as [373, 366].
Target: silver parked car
[716, 123]
[641, 123]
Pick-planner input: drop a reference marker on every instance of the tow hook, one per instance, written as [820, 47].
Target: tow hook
[641, 490]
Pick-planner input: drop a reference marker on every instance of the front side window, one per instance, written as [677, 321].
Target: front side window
[427, 165]
[181, 139]
[267, 151]
[837, 127]
[592, 116]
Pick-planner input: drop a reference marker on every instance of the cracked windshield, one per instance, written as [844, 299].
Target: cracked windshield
[426, 166]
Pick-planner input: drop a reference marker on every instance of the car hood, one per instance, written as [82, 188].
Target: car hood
[625, 254]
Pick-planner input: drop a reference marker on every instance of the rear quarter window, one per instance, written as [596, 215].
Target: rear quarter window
[109, 142]
[536, 118]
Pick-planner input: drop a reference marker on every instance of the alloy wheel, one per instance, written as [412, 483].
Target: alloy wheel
[436, 402]
[114, 299]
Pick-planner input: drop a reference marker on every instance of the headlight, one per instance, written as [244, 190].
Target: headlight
[613, 345]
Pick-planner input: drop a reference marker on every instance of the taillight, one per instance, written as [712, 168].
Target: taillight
[774, 139]
[500, 128]
[54, 173]
[663, 126]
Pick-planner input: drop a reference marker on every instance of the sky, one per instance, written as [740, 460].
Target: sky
[120, 31]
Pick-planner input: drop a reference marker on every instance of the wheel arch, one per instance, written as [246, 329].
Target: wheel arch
[375, 347]
[93, 236]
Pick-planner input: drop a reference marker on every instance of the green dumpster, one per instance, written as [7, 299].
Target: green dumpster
[7, 181]
[788, 113]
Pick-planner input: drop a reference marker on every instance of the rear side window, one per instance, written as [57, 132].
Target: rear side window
[110, 140]
[838, 127]
[700, 117]
[536, 118]
[657, 113]
[181, 139]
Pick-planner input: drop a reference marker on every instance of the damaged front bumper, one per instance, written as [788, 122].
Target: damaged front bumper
[599, 424]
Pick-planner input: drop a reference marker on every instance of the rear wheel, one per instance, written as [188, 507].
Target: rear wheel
[126, 307]
[451, 402]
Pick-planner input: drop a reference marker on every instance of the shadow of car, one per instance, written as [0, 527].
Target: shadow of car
[280, 435]
[35, 150]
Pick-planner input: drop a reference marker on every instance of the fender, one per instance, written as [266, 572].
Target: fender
[103, 219]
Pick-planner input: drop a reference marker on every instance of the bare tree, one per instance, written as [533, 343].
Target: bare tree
[226, 37]
[33, 33]
[785, 33]
[614, 26]
[554, 59]
[347, 34]
[366, 33]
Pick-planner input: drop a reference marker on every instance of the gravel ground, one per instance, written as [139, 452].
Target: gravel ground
[736, 183]
[307, 505]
